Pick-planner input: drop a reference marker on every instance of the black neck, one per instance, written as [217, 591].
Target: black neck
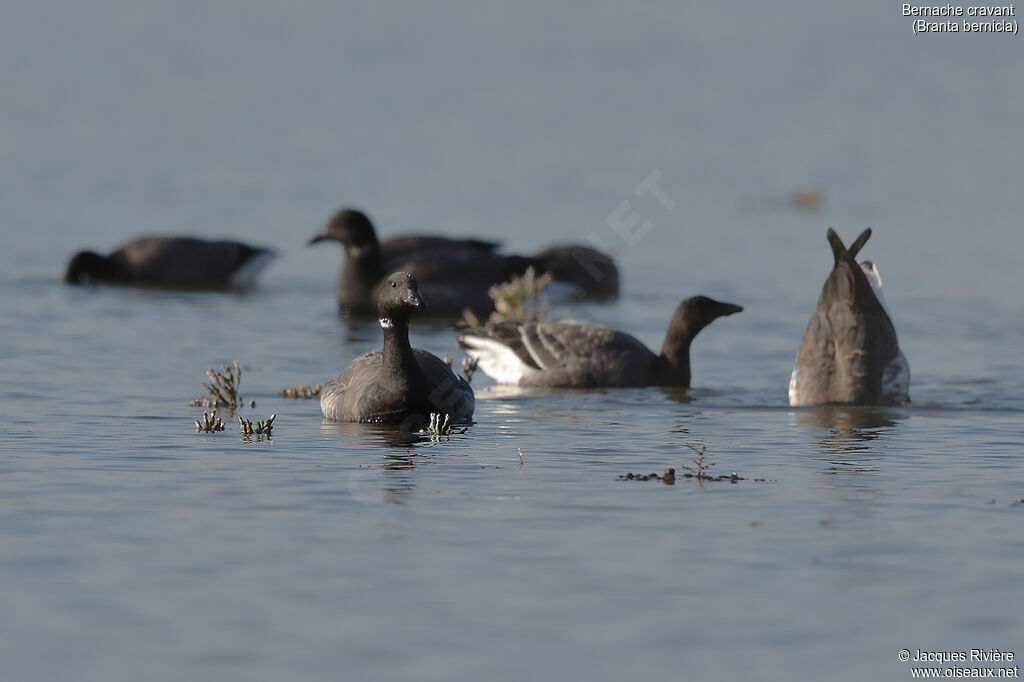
[398, 357]
[359, 276]
[673, 365]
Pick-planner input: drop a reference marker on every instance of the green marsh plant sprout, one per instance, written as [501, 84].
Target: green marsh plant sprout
[259, 428]
[210, 423]
[222, 389]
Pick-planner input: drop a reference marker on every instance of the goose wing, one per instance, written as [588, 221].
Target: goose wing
[449, 393]
[563, 354]
[185, 261]
[352, 395]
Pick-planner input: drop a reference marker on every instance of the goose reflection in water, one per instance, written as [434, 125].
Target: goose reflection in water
[848, 443]
[382, 479]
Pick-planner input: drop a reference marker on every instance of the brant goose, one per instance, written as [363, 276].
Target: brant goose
[583, 355]
[174, 263]
[849, 353]
[402, 384]
[454, 274]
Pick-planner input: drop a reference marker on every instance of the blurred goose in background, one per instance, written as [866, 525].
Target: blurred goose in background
[173, 263]
[585, 355]
[849, 353]
[593, 274]
[453, 274]
[401, 384]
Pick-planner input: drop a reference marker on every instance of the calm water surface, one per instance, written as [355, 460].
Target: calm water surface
[133, 548]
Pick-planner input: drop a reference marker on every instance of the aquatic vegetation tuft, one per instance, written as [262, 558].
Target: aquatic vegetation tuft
[440, 426]
[517, 299]
[469, 367]
[701, 464]
[263, 428]
[209, 423]
[699, 471]
[222, 389]
[301, 392]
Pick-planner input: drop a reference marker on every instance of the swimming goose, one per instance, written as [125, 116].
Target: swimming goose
[454, 274]
[172, 262]
[585, 355]
[849, 353]
[402, 384]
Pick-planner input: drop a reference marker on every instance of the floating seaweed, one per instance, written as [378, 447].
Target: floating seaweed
[301, 392]
[698, 471]
[668, 478]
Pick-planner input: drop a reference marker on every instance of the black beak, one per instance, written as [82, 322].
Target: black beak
[415, 300]
[728, 309]
[314, 240]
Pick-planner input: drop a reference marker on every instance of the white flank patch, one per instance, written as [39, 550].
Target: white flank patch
[794, 399]
[245, 276]
[386, 323]
[497, 360]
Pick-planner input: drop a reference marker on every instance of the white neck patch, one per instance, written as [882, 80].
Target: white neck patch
[386, 323]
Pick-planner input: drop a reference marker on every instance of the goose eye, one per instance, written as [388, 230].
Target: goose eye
[394, 285]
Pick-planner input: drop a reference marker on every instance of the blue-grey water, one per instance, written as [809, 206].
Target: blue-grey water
[133, 548]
